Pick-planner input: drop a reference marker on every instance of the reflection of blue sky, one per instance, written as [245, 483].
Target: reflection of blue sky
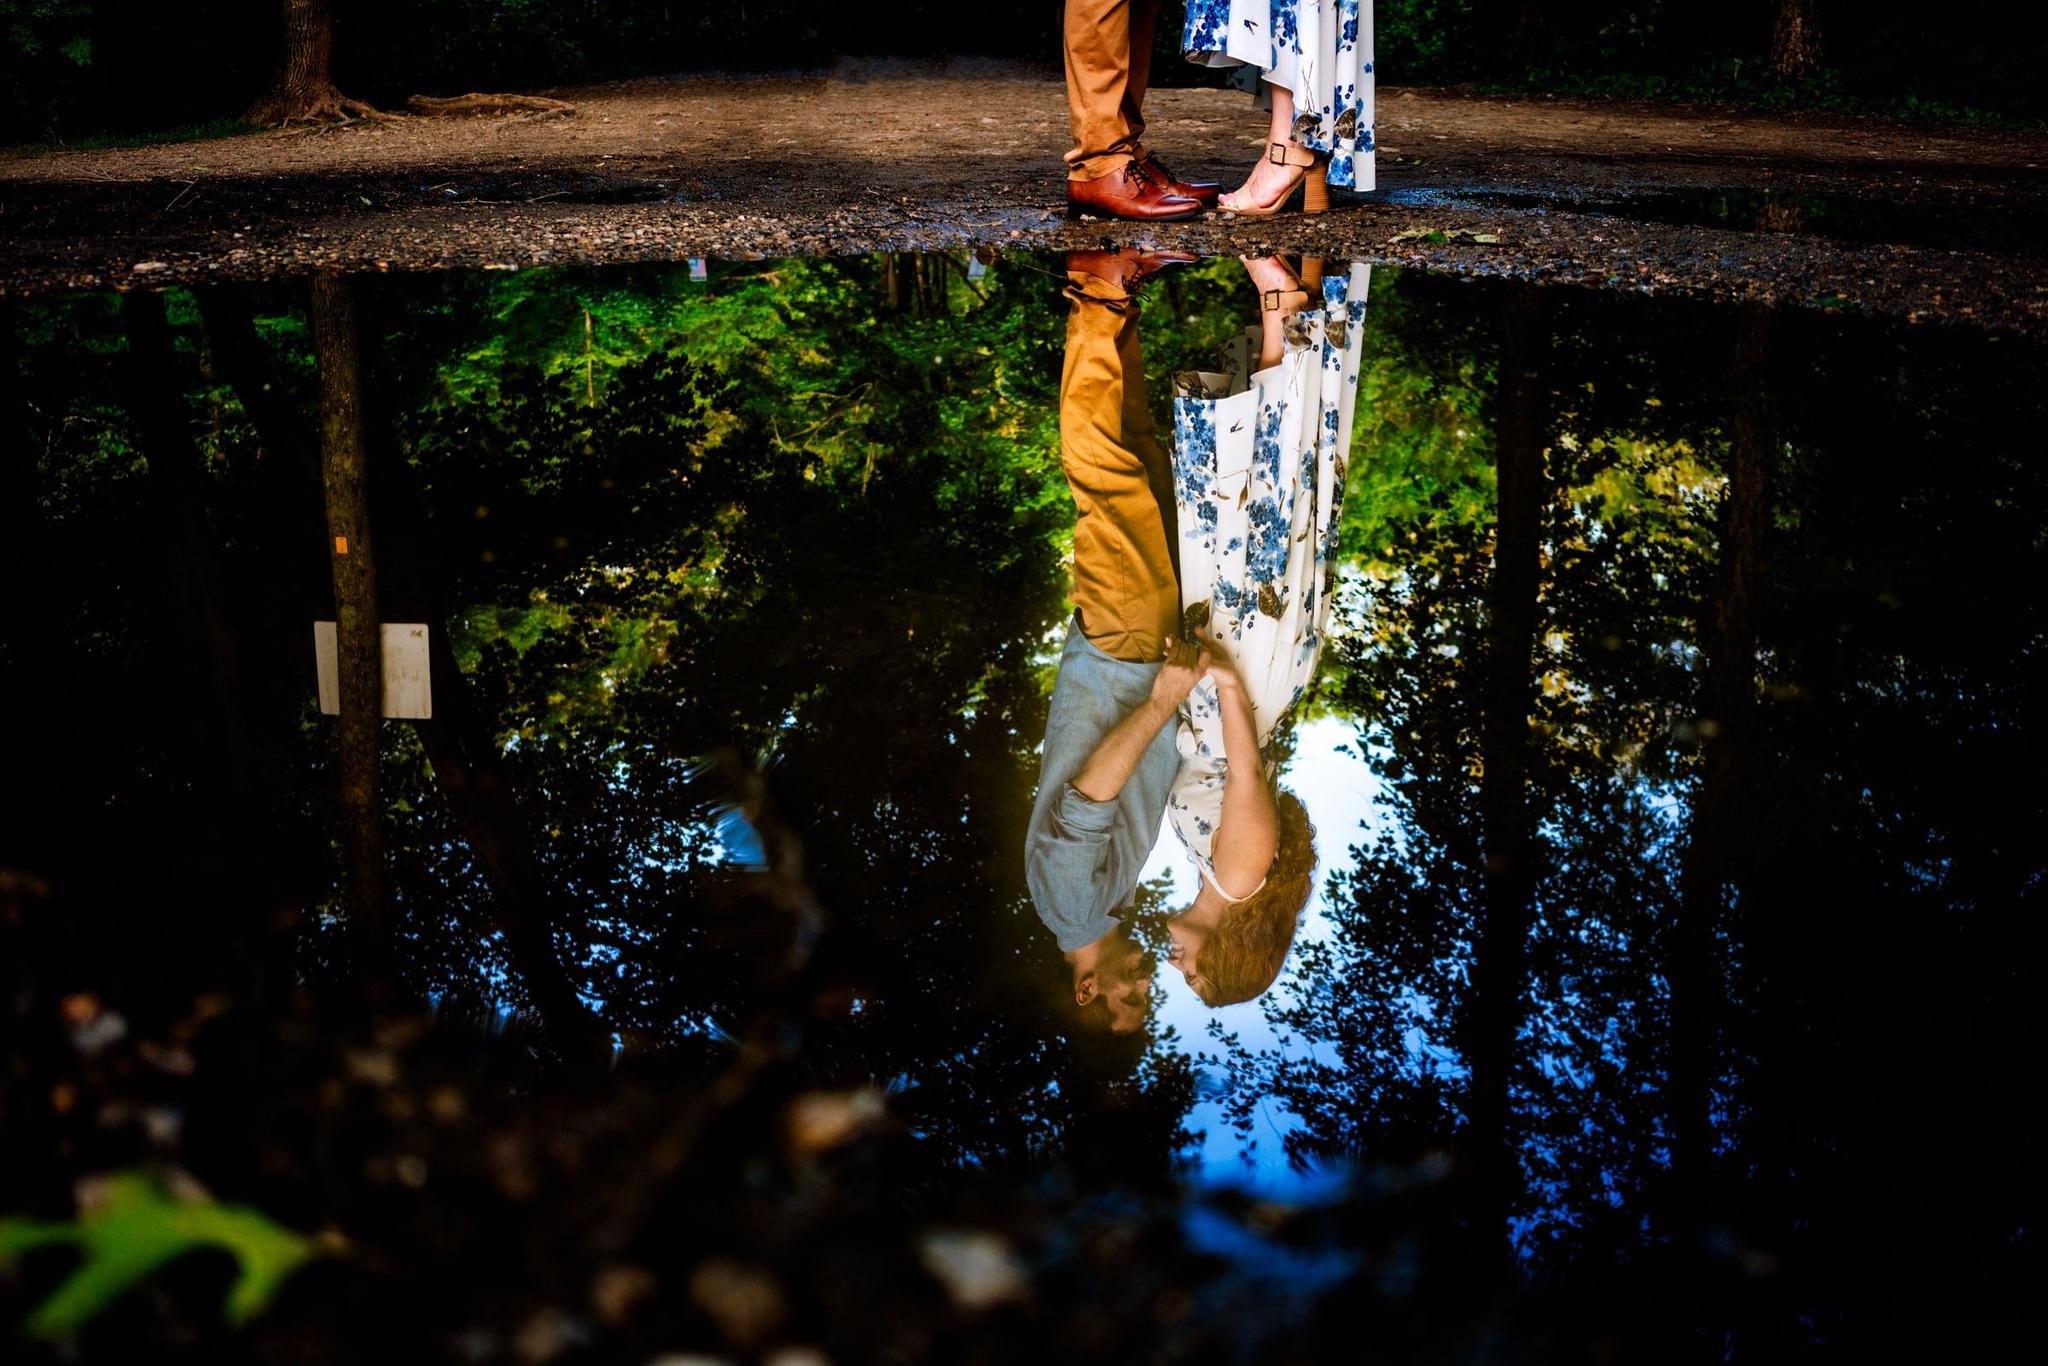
[1330, 776]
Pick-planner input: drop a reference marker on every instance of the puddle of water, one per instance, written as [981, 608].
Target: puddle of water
[1946, 227]
[1692, 643]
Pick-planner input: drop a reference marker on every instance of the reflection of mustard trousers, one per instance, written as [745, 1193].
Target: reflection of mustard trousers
[1126, 590]
[1109, 58]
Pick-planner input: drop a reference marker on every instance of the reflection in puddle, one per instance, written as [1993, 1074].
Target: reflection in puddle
[1658, 752]
[2011, 230]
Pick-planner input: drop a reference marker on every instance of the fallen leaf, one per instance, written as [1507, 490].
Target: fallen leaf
[130, 1224]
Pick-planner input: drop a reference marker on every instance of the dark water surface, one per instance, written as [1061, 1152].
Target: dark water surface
[2008, 229]
[1671, 990]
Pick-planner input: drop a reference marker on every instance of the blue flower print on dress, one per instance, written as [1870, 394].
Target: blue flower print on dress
[1320, 50]
[1208, 24]
[1258, 484]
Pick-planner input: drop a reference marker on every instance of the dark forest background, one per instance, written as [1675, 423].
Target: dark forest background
[76, 69]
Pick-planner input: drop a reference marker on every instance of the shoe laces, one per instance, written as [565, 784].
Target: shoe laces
[1135, 170]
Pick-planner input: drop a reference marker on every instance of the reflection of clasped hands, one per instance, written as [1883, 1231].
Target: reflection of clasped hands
[1221, 668]
[1188, 663]
[1103, 776]
[1184, 665]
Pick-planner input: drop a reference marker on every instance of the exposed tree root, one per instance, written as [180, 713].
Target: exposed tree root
[327, 105]
[479, 103]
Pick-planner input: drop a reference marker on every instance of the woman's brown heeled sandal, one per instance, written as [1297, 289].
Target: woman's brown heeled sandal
[1313, 182]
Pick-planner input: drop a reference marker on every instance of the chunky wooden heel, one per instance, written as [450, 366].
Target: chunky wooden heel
[1315, 189]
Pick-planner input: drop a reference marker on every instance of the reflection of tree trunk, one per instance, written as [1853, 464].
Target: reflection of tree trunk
[472, 776]
[1795, 38]
[1727, 634]
[471, 772]
[337, 348]
[27, 658]
[469, 767]
[1494, 1014]
[303, 89]
[289, 521]
[20, 522]
[222, 755]
[244, 361]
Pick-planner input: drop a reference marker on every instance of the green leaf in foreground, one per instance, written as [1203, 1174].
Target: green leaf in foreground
[132, 1224]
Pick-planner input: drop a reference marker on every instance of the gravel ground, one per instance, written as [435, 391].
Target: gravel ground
[1848, 215]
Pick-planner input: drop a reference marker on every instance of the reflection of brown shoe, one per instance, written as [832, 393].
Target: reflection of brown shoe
[1126, 269]
[1132, 192]
[1203, 192]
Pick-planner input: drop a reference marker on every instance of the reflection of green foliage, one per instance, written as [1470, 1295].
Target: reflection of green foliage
[1422, 452]
[135, 1226]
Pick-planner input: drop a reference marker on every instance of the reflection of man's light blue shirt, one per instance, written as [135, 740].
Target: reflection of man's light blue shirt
[1082, 858]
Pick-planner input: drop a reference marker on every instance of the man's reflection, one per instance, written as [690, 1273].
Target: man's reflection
[1109, 758]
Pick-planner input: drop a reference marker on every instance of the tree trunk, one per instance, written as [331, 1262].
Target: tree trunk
[337, 348]
[1795, 38]
[20, 520]
[472, 776]
[290, 519]
[469, 766]
[1727, 636]
[303, 90]
[222, 758]
[1494, 1015]
[32, 653]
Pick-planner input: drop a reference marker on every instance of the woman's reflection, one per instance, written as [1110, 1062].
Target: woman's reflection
[1259, 466]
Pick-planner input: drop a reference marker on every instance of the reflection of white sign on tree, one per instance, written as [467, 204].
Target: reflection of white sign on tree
[408, 688]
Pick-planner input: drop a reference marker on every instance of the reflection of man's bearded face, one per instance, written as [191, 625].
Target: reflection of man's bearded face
[1119, 986]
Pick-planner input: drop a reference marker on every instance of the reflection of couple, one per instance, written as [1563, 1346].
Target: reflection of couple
[1248, 506]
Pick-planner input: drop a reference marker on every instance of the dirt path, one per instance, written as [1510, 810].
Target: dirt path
[1843, 213]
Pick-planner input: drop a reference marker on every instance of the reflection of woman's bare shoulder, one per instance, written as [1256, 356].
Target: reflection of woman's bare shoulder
[1242, 861]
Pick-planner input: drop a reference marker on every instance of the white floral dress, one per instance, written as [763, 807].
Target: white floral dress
[1319, 49]
[1258, 466]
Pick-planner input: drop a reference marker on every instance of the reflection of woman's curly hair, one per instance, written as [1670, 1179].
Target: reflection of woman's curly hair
[1245, 953]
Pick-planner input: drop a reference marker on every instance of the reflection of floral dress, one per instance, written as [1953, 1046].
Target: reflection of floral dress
[1319, 49]
[1258, 469]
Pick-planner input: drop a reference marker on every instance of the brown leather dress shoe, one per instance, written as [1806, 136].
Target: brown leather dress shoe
[1129, 193]
[1203, 192]
[1126, 269]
